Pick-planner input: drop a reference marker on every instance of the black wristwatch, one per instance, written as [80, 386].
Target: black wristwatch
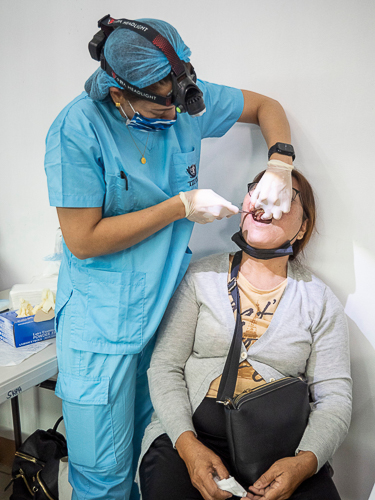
[282, 149]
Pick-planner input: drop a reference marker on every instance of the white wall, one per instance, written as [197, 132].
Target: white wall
[315, 57]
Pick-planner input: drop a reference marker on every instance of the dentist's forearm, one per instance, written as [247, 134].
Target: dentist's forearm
[87, 234]
[271, 118]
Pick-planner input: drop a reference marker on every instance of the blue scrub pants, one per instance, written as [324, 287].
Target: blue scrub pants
[106, 408]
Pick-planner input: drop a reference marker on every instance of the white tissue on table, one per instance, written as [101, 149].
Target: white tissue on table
[231, 486]
[10, 356]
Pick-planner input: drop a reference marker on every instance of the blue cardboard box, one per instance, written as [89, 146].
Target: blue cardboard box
[22, 331]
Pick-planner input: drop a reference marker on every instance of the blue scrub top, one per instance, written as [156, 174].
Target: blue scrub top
[118, 300]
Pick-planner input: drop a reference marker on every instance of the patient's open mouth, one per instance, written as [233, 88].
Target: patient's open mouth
[257, 216]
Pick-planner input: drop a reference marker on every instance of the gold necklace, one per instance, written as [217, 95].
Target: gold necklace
[143, 159]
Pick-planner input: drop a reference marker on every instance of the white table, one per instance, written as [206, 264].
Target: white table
[32, 372]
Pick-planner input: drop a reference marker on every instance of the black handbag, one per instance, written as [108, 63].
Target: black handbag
[36, 463]
[263, 424]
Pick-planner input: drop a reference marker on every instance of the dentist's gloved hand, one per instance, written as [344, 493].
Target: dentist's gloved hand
[204, 205]
[274, 191]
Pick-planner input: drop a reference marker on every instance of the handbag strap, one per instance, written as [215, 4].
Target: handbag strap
[230, 372]
[57, 424]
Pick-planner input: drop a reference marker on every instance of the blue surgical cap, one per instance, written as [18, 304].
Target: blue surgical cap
[135, 59]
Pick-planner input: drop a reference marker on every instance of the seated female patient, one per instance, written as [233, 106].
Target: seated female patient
[293, 325]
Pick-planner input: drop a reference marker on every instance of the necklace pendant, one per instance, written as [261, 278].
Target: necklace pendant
[143, 160]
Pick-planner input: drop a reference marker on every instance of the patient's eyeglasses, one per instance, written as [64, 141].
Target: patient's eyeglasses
[252, 185]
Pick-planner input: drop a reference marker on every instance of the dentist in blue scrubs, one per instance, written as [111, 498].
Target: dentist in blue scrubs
[123, 173]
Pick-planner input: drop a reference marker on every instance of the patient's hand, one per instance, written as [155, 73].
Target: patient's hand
[284, 477]
[202, 465]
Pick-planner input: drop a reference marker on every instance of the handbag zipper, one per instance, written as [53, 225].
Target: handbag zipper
[238, 398]
[21, 474]
[35, 489]
[29, 458]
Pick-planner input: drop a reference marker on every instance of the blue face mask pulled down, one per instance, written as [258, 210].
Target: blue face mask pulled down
[144, 124]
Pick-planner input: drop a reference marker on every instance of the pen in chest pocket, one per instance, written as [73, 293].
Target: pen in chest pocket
[123, 176]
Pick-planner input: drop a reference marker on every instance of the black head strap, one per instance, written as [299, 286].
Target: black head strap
[108, 24]
[150, 96]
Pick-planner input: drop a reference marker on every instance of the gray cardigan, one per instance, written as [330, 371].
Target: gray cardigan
[307, 336]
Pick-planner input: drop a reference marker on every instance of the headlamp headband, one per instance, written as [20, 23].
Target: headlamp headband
[107, 25]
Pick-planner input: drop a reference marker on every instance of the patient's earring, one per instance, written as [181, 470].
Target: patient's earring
[118, 104]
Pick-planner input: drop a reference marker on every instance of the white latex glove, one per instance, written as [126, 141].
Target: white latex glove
[274, 191]
[204, 205]
[230, 485]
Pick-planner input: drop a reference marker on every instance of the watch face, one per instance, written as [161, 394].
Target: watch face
[285, 148]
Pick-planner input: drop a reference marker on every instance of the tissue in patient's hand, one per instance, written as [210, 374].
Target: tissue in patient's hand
[230, 485]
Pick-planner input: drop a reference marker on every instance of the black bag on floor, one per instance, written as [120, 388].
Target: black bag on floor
[36, 463]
